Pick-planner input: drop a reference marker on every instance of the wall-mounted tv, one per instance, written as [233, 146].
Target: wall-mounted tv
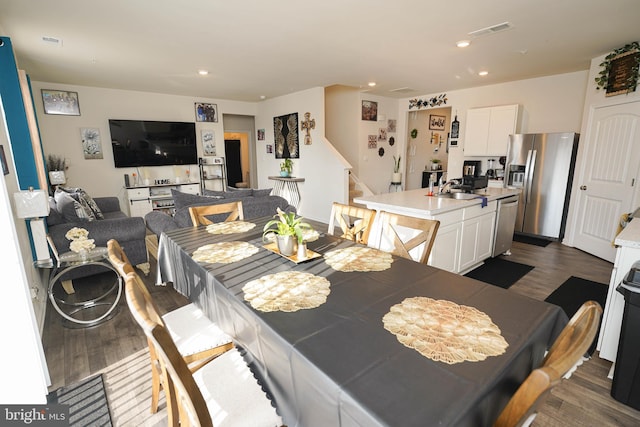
[151, 143]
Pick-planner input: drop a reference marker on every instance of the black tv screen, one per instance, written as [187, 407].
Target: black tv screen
[150, 143]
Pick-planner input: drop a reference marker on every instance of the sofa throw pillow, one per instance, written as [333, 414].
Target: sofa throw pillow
[85, 200]
[71, 209]
[181, 199]
[263, 192]
[54, 217]
[241, 191]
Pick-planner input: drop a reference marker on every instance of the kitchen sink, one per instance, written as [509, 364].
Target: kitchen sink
[458, 195]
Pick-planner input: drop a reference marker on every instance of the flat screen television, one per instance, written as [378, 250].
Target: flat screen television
[152, 143]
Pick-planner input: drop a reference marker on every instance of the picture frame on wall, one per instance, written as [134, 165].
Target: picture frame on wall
[437, 122]
[208, 142]
[91, 143]
[60, 102]
[206, 112]
[285, 131]
[370, 111]
[261, 134]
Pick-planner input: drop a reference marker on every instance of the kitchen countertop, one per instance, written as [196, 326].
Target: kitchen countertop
[418, 202]
[630, 235]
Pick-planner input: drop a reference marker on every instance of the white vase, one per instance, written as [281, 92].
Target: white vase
[302, 251]
[396, 177]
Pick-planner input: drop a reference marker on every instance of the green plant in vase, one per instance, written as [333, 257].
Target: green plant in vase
[288, 229]
[286, 167]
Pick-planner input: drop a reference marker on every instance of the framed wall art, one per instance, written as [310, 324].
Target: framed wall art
[206, 112]
[91, 143]
[437, 122]
[61, 102]
[370, 111]
[208, 142]
[260, 134]
[285, 131]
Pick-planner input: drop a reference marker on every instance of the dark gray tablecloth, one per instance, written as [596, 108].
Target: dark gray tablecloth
[336, 365]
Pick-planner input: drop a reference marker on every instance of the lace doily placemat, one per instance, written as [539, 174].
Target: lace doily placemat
[286, 291]
[230, 227]
[445, 331]
[224, 252]
[356, 258]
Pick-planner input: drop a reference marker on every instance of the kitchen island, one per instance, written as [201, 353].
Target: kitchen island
[467, 227]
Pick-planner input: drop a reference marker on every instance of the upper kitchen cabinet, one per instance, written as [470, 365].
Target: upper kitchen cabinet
[487, 130]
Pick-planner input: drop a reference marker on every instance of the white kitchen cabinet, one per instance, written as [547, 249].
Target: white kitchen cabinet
[487, 130]
[614, 307]
[476, 241]
[445, 253]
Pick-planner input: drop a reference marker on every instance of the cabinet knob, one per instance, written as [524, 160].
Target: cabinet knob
[583, 187]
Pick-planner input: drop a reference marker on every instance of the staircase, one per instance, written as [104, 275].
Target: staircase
[357, 189]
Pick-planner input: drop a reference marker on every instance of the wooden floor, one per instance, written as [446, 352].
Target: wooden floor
[583, 400]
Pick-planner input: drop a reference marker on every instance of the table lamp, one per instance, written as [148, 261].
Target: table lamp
[33, 205]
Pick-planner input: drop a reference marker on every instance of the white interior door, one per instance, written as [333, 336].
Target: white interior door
[612, 158]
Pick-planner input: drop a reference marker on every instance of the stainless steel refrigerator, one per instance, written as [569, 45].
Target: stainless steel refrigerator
[542, 166]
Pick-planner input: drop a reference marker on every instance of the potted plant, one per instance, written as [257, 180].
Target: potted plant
[435, 164]
[397, 175]
[285, 168]
[288, 230]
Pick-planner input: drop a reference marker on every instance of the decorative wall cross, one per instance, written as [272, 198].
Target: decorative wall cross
[307, 124]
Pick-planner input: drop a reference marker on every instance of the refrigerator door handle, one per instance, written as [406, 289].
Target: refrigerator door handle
[528, 174]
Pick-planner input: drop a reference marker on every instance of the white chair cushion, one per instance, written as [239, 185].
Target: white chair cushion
[192, 331]
[233, 395]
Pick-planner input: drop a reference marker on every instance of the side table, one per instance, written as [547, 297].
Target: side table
[69, 261]
[287, 187]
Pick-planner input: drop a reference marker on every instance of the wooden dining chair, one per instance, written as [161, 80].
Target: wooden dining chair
[574, 341]
[532, 393]
[197, 338]
[565, 355]
[220, 393]
[199, 213]
[394, 228]
[355, 222]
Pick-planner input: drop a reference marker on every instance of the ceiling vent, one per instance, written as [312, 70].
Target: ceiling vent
[402, 90]
[491, 30]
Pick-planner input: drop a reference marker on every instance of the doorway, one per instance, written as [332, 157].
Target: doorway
[234, 162]
[428, 132]
[241, 128]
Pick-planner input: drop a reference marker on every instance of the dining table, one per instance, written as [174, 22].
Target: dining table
[344, 351]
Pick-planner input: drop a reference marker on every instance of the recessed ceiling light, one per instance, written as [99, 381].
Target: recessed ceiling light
[483, 73]
[203, 72]
[372, 84]
[463, 43]
[262, 97]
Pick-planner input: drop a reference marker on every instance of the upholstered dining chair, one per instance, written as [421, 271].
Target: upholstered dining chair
[405, 233]
[572, 344]
[224, 392]
[355, 222]
[197, 338]
[199, 213]
[525, 403]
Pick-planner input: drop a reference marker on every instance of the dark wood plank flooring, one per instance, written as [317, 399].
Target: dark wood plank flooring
[583, 400]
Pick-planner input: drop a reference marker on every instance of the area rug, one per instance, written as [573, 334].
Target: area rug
[576, 291]
[529, 240]
[87, 401]
[500, 272]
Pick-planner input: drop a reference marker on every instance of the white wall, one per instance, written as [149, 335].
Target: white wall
[322, 167]
[373, 170]
[342, 111]
[99, 177]
[547, 104]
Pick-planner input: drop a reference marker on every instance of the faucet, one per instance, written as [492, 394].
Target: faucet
[442, 185]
